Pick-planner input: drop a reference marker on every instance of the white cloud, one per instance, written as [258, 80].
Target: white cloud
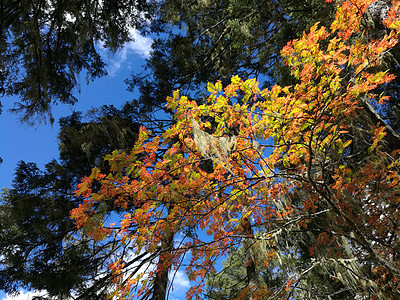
[180, 285]
[23, 296]
[180, 280]
[140, 46]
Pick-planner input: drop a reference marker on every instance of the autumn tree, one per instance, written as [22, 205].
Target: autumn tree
[321, 138]
[60, 49]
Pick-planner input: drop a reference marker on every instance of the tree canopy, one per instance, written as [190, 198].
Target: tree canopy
[214, 40]
[272, 161]
[295, 182]
[45, 73]
[45, 45]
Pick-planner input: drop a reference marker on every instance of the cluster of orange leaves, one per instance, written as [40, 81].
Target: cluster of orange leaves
[282, 135]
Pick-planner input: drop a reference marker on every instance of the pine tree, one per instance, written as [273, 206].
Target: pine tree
[45, 45]
[214, 40]
[40, 247]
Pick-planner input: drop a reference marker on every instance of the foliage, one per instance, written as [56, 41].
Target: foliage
[45, 45]
[214, 40]
[231, 280]
[62, 39]
[40, 247]
[285, 157]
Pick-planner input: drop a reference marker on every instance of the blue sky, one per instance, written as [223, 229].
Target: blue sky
[39, 144]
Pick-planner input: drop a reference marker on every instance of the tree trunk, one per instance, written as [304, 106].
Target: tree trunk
[163, 267]
[250, 261]
[160, 286]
